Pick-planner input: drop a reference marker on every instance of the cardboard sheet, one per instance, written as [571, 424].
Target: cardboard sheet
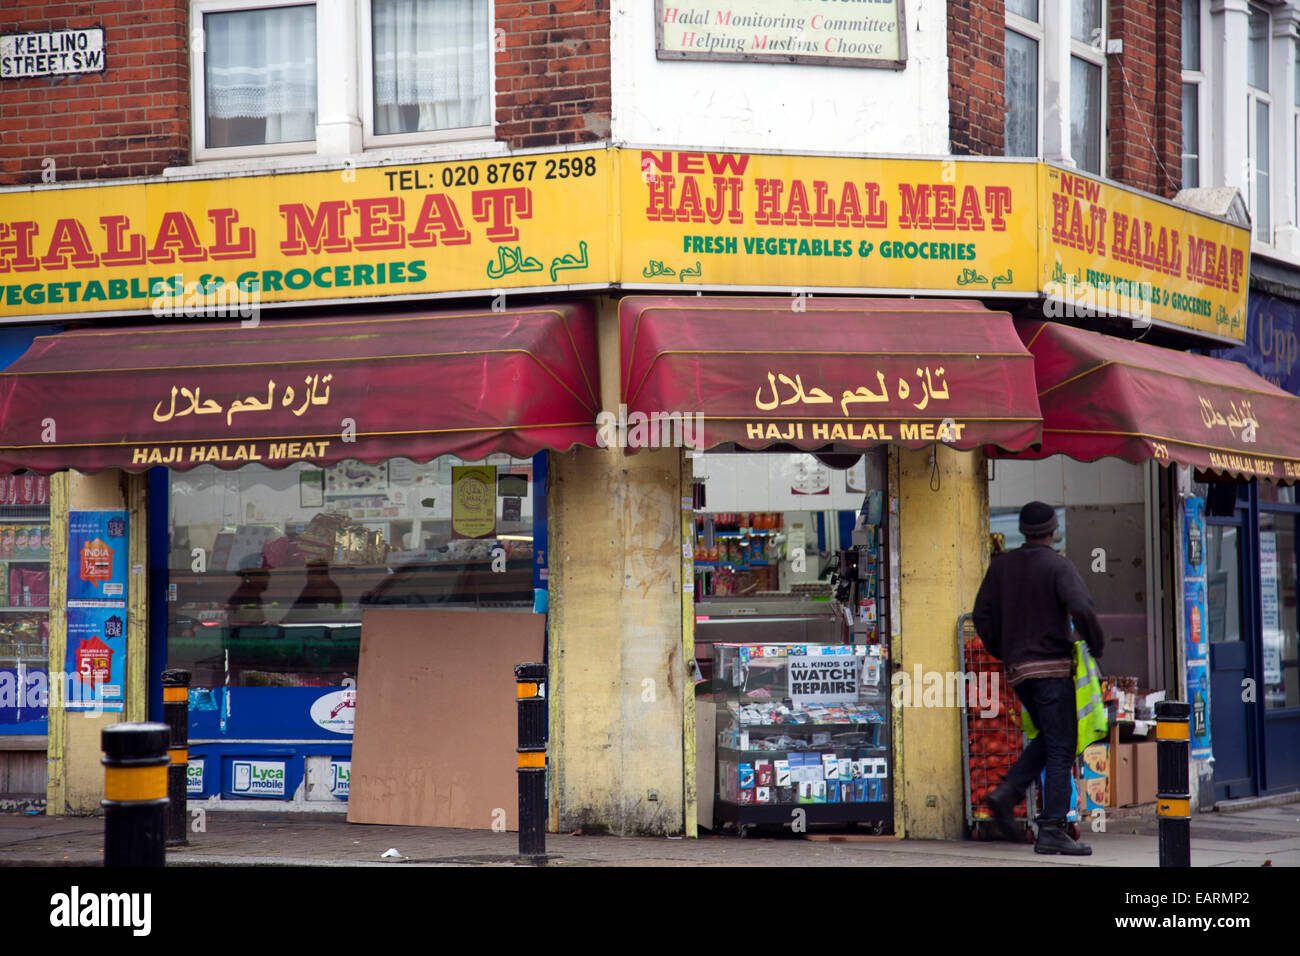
[436, 725]
[706, 757]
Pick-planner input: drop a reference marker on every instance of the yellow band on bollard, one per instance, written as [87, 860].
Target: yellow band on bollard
[533, 760]
[1174, 807]
[126, 784]
[179, 755]
[1171, 730]
[525, 690]
[175, 695]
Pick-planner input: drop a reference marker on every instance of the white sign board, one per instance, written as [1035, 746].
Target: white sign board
[823, 680]
[24, 55]
[1272, 623]
[872, 33]
[335, 711]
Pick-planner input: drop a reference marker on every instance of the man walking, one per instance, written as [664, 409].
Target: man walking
[1022, 614]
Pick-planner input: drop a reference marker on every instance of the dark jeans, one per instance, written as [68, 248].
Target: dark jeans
[1050, 702]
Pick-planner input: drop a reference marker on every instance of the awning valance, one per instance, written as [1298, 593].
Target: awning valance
[1103, 396]
[319, 390]
[813, 373]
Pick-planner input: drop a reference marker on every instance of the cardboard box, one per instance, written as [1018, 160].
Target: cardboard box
[1096, 776]
[1145, 782]
[1124, 789]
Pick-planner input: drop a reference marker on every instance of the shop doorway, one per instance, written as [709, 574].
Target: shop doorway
[1278, 696]
[776, 605]
[1231, 661]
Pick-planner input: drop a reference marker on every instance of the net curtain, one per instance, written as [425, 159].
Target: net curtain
[430, 64]
[261, 64]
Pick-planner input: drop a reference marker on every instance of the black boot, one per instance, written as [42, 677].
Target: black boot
[1052, 838]
[1002, 803]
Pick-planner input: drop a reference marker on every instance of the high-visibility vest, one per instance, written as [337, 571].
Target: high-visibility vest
[1090, 710]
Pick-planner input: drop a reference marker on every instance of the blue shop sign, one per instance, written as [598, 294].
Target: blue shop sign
[1272, 346]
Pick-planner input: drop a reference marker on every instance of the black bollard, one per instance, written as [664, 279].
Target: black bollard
[176, 712]
[530, 691]
[1173, 798]
[135, 794]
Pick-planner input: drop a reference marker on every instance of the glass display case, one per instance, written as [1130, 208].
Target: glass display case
[803, 727]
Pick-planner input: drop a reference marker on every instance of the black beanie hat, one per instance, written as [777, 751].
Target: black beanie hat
[1037, 519]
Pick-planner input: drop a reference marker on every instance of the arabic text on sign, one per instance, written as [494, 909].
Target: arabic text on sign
[316, 391]
[798, 394]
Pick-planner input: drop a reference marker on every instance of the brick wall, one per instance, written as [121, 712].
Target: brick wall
[552, 72]
[131, 120]
[1144, 125]
[1144, 145]
[976, 37]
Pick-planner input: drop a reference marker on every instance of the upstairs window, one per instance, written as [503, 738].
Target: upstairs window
[1259, 102]
[429, 66]
[1087, 82]
[280, 77]
[259, 77]
[1021, 59]
[1193, 82]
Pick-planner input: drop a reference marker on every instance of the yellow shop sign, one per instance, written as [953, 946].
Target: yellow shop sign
[809, 223]
[626, 218]
[1109, 250]
[491, 224]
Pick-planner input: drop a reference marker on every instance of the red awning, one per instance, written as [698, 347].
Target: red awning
[318, 390]
[814, 373]
[1103, 396]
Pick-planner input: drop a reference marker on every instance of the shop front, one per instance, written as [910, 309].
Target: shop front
[306, 475]
[798, 630]
[1251, 577]
[288, 476]
[1220, 434]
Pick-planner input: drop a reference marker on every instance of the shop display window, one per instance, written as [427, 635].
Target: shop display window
[270, 570]
[24, 601]
[801, 725]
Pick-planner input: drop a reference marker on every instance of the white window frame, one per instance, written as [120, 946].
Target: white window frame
[1094, 54]
[1033, 30]
[198, 91]
[361, 68]
[1295, 133]
[1203, 81]
[1255, 96]
[365, 52]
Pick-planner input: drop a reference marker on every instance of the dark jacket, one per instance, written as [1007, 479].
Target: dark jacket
[1024, 606]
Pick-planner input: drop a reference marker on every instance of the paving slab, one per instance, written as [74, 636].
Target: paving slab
[1265, 836]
